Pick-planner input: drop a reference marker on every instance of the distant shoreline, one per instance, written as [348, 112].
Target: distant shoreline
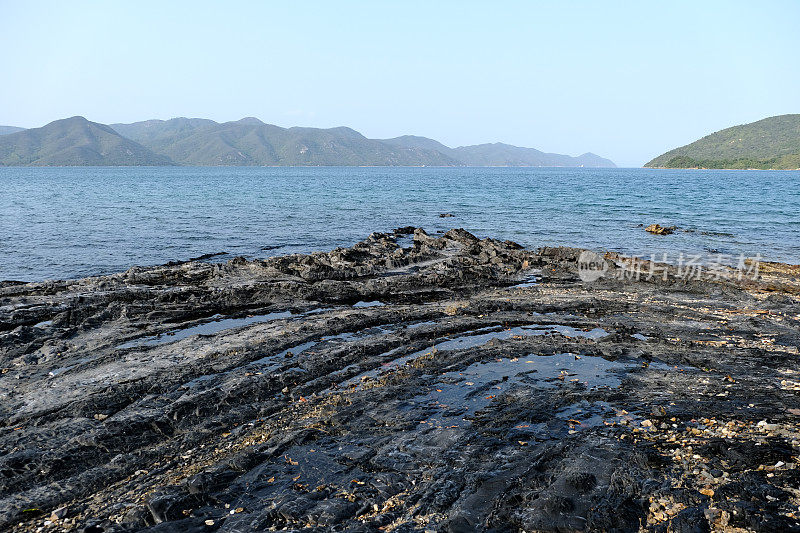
[76, 141]
[307, 166]
[726, 169]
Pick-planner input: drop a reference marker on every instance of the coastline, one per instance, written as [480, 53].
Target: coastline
[411, 381]
[724, 169]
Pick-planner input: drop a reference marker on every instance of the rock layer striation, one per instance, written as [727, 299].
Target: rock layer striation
[408, 383]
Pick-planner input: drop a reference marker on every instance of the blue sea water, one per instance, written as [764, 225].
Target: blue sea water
[74, 222]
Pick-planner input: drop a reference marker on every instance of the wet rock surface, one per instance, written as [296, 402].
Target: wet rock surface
[408, 383]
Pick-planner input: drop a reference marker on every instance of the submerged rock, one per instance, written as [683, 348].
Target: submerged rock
[658, 229]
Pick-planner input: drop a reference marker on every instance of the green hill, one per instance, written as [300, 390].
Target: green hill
[74, 142]
[155, 133]
[251, 142]
[420, 143]
[771, 143]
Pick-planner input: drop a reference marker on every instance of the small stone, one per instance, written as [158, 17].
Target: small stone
[717, 517]
[209, 522]
[451, 310]
[100, 416]
[58, 514]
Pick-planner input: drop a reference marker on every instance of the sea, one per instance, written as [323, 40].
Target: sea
[70, 222]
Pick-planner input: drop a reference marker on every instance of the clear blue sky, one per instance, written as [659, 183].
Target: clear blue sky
[626, 80]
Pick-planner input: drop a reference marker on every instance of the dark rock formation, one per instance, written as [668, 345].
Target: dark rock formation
[455, 384]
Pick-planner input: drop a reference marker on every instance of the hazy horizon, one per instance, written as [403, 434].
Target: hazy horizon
[624, 81]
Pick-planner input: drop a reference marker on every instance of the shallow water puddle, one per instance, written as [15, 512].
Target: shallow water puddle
[216, 325]
[373, 303]
[459, 394]
[275, 359]
[420, 324]
[199, 380]
[322, 342]
[531, 280]
[477, 338]
[471, 339]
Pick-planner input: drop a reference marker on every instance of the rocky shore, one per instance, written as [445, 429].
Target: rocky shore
[409, 383]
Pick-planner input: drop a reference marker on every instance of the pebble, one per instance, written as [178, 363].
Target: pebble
[58, 514]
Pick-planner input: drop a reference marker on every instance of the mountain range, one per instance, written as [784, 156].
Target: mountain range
[771, 143]
[74, 141]
[249, 142]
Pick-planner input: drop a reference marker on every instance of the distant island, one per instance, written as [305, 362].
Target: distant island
[771, 143]
[77, 141]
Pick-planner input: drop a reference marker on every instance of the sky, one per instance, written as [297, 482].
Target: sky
[625, 80]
